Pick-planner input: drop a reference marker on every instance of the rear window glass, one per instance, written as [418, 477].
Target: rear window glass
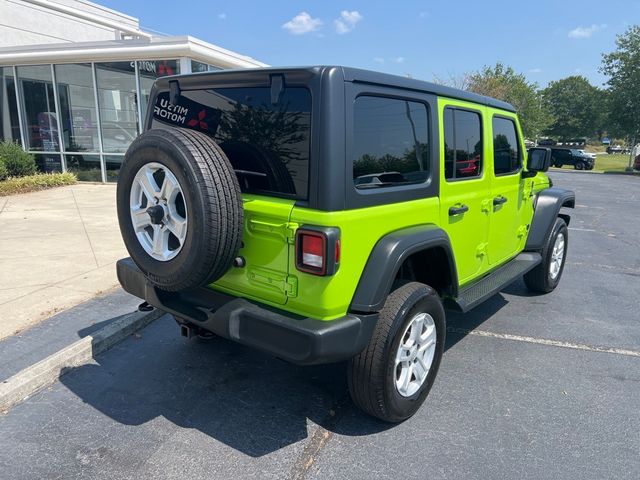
[390, 142]
[267, 144]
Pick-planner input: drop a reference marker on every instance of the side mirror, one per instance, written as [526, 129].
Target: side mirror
[539, 160]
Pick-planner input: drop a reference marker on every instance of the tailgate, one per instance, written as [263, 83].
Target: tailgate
[268, 239]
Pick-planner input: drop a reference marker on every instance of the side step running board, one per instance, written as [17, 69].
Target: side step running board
[473, 295]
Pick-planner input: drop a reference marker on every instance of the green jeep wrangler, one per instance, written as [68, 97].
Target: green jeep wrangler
[327, 214]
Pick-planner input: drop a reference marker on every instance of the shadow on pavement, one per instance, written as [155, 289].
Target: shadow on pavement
[249, 401]
[242, 398]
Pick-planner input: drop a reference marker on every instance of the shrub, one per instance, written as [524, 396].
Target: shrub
[3, 170]
[17, 162]
[39, 181]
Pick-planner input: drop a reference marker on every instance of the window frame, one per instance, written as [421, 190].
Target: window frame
[482, 165]
[360, 198]
[518, 142]
[300, 199]
[428, 160]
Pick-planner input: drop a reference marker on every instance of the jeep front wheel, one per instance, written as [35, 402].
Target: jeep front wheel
[392, 376]
[546, 276]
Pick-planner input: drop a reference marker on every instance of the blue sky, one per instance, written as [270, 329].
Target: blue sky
[546, 40]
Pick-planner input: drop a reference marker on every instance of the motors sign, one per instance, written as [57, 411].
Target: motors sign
[173, 113]
[187, 113]
[146, 66]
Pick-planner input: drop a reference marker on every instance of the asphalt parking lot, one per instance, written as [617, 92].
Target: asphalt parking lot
[524, 391]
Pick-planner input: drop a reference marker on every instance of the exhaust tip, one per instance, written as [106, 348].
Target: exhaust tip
[186, 331]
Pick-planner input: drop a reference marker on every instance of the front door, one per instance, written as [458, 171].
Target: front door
[464, 186]
[506, 230]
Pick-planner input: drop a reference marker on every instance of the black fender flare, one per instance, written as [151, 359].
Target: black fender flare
[387, 257]
[547, 207]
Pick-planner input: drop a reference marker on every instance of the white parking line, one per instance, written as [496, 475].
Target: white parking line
[547, 342]
[582, 229]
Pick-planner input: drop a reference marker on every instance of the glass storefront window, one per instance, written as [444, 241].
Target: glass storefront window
[9, 120]
[86, 167]
[117, 101]
[38, 105]
[149, 70]
[77, 107]
[48, 162]
[197, 67]
[113, 164]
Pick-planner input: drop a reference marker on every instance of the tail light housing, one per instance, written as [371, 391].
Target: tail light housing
[318, 250]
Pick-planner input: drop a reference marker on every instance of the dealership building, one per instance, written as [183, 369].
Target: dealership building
[75, 79]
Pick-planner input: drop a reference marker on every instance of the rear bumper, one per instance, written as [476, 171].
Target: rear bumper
[300, 340]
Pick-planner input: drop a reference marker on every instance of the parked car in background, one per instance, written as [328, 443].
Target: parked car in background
[618, 149]
[588, 154]
[571, 156]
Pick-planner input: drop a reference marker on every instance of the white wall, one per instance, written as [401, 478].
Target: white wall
[25, 23]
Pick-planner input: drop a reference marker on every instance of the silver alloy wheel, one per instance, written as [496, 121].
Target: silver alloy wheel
[158, 211]
[557, 257]
[415, 354]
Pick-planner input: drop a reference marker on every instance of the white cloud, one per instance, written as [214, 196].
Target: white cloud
[302, 23]
[378, 59]
[398, 59]
[347, 21]
[423, 14]
[535, 70]
[586, 32]
[222, 16]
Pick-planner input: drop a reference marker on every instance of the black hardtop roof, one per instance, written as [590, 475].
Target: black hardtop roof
[359, 75]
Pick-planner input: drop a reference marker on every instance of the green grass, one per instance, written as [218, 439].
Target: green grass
[31, 183]
[612, 163]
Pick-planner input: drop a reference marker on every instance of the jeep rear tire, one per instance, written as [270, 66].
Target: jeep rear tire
[580, 165]
[392, 376]
[545, 277]
[182, 240]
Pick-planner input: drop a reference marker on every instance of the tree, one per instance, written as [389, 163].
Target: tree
[622, 66]
[577, 106]
[505, 84]
[275, 129]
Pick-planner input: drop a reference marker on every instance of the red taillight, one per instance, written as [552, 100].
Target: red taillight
[313, 251]
[318, 250]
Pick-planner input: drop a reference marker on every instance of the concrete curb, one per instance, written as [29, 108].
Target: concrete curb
[42, 374]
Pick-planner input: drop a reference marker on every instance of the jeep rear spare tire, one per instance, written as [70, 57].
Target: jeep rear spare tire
[179, 208]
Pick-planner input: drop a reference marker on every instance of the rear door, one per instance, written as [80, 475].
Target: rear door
[267, 140]
[464, 185]
[268, 238]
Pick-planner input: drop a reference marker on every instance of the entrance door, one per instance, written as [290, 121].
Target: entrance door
[464, 186]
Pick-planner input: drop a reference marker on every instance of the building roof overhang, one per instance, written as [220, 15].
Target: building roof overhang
[154, 48]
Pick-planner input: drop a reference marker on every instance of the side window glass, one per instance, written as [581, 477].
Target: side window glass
[506, 148]
[390, 142]
[462, 144]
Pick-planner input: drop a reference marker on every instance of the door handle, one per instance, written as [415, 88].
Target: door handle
[499, 200]
[458, 210]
